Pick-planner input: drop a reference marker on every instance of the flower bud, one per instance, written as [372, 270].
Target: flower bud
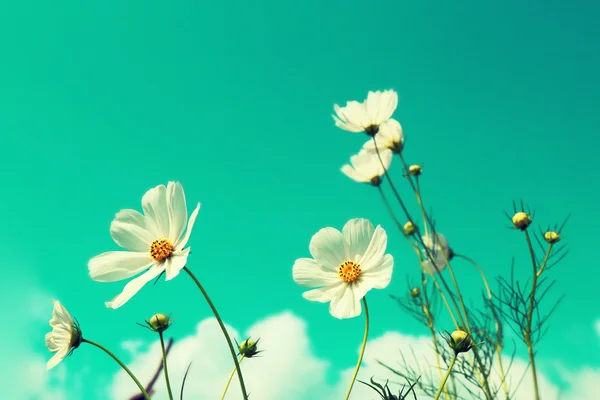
[415, 292]
[459, 341]
[159, 323]
[415, 170]
[409, 228]
[521, 220]
[248, 348]
[552, 237]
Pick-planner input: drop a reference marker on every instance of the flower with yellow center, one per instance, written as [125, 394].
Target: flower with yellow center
[365, 166]
[390, 137]
[65, 336]
[345, 266]
[154, 242]
[369, 115]
[440, 251]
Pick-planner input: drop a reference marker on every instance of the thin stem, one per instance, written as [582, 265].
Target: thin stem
[230, 377]
[164, 355]
[420, 240]
[390, 210]
[220, 321]
[362, 349]
[137, 382]
[439, 392]
[528, 331]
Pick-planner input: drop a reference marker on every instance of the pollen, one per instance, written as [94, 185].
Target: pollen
[161, 249]
[349, 271]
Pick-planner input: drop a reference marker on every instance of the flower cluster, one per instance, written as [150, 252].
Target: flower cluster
[343, 267]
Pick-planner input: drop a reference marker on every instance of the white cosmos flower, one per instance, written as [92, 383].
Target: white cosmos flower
[440, 251]
[65, 335]
[366, 168]
[154, 242]
[368, 115]
[345, 266]
[390, 136]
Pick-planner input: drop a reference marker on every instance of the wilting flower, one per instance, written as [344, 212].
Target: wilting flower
[65, 336]
[389, 137]
[345, 266]
[367, 168]
[439, 250]
[154, 242]
[369, 115]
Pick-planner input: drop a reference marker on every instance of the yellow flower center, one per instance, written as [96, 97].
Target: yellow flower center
[161, 249]
[349, 271]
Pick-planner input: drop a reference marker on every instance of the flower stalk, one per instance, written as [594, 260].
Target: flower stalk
[362, 349]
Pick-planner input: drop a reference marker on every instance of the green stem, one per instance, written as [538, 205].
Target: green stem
[528, 331]
[220, 321]
[137, 382]
[164, 355]
[362, 349]
[230, 377]
[439, 392]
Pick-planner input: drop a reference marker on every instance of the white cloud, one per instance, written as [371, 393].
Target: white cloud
[290, 370]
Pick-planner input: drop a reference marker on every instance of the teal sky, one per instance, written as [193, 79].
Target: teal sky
[100, 102]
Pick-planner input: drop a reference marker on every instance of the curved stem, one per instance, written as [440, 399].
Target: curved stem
[137, 382]
[230, 377]
[220, 321]
[362, 349]
[439, 392]
[164, 355]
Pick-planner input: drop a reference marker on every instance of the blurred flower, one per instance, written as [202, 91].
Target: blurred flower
[521, 220]
[368, 115]
[389, 137]
[552, 237]
[65, 336]
[345, 266]
[154, 242]
[440, 251]
[366, 168]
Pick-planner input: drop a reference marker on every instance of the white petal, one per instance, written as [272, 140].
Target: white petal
[376, 278]
[188, 232]
[175, 263]
[118, 265]
[57, 358]
[154, 204]
[328, 248]
[354, 175]
[345, 304]
[308, 273]
[134, 286]
[177, 210]
[373, 256]
[325, 293]
[358, 233]
[129, 234]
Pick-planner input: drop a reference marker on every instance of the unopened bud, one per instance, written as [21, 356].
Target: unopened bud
[460, 341]
[551, 237]
[409, 228]
[415, 292]
[415, 170]
[248, 348]
[521, 220]
[159, 323]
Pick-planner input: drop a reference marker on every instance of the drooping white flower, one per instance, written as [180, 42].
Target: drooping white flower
[365, 167]
[390, 136]
[440, 251]
[65, 336]
[345, 266]
[154, 242]
[367, 116]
